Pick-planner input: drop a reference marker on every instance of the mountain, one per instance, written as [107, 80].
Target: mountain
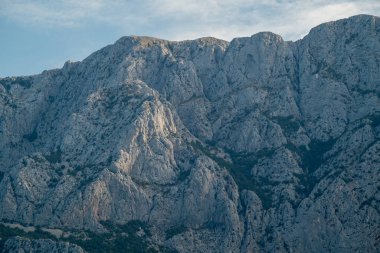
[148, 145]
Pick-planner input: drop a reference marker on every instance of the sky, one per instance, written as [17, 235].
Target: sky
[36, 35]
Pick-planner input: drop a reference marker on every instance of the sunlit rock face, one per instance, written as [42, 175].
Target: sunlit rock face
[253, 145]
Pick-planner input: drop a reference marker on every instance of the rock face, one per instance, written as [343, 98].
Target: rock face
[21, 245]
[253, 145]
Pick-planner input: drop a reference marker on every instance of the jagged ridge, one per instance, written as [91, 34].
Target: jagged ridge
[257, 144]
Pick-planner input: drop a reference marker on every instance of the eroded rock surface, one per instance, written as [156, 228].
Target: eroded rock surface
[21, 245]
[253, 145]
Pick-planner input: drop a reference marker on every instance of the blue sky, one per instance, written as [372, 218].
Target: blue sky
[42, 34]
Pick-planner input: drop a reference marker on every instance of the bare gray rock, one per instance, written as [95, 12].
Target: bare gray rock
[21, 245]
[253, 145]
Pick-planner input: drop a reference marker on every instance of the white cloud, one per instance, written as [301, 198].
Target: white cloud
[185, 19]
[50, 13]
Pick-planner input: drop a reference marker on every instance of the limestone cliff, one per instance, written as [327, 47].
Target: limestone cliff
[253, 145]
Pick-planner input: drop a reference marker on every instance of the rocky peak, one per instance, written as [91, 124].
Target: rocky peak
[252, 145]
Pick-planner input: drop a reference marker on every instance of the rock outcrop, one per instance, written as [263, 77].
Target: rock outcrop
[21, 245]
[253, 145]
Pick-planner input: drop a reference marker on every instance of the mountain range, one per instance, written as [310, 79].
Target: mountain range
[149, 145]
